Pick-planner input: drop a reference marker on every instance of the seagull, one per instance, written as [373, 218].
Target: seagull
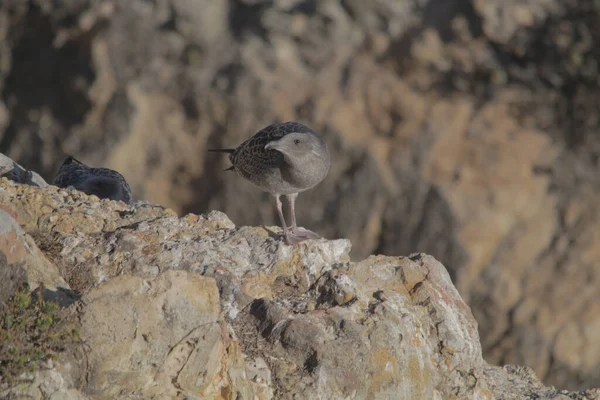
[102, 182]
[283, 159]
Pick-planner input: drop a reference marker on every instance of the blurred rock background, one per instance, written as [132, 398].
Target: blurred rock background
[466, 129]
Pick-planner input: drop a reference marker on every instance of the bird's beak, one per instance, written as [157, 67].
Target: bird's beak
[271, 145]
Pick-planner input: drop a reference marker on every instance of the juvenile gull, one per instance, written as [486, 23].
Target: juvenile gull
[102, 182]
[283, 159]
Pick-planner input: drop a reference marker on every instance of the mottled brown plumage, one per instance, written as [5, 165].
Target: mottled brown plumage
[283, 159]
[102, 182]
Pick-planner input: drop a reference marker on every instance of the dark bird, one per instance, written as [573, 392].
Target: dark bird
[102, 182]
[283, 159]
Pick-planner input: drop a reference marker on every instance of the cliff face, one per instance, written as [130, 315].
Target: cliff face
[164, 307]
[464, 129]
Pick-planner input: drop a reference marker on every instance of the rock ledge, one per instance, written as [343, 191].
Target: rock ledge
[194, 307]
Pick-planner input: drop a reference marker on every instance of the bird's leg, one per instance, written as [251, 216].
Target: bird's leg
[290, 237]
[280, 212]
[292, 201]
[298, 232]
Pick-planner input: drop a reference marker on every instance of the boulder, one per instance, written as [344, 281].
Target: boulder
[15, 172]
[23, 265]
[195, 307]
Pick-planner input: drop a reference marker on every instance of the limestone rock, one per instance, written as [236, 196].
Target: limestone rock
[22, 263]
[14, 172]
[194, 307]
[170, 338]
[410, 334]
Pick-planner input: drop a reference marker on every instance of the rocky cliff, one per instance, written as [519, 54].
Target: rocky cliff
[465, 129]
[154, 306]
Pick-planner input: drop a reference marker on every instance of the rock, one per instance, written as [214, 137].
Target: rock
[45, 385]
[411, 343]
[464, 129]
[194, 307]
[22, 264]
[170, 339]
[14, 172]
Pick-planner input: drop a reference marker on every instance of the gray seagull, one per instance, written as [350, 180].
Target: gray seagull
[283, 159]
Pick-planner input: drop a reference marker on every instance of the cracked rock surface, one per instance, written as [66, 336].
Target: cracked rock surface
[195, 307]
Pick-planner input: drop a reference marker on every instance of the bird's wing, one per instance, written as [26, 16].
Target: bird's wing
[251, 157]
[113, 176]
[71, 173]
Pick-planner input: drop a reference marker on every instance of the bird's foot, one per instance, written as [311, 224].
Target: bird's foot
[304, 233]
[297, 235]
[292, 239]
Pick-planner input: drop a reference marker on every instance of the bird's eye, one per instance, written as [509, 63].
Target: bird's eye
[296, 141]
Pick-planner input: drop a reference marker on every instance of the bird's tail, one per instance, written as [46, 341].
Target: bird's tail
[71, 160]
[224, 151]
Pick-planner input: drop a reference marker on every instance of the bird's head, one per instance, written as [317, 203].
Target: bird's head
[302, 147]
